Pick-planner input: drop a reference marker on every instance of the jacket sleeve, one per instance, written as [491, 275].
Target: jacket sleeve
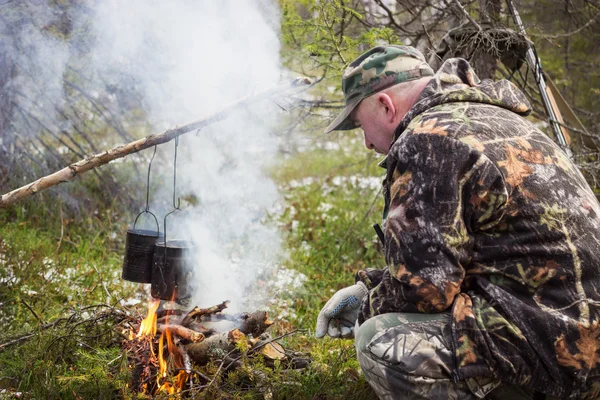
[371, 277]
[441, 191]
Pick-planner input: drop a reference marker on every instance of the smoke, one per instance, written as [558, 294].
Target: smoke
[226, 173]
[192, 58]
[183, 60]
[25, 47]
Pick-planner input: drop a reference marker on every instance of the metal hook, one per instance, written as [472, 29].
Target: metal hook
[148, 181]
[165, 230]
[176, 207]
[147, 209]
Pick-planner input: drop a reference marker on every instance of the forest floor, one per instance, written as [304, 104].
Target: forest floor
[61, 294]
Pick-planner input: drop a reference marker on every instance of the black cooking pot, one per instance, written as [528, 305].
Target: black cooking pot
[171, 270]
[139, 252]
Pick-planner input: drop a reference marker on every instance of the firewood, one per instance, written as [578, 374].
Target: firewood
[273, 351]
[198, 327]
[182, 331]
[255, 323]
[197, 312]
[215, 346]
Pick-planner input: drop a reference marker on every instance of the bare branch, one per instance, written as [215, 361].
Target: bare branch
[468, 16]
[72, 171]
[576, 31]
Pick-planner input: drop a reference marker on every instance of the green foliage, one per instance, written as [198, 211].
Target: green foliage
[56, 264]
[323, 37]
[567, 41]
[54, 269]
[333, 200]
[59, 282]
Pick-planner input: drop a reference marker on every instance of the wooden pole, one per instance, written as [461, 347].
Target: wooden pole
[562, 136]
[72, 171]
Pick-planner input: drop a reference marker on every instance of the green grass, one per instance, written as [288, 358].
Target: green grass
[332, 202]
[53, 267]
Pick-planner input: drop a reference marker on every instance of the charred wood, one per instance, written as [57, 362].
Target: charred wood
[197, 313]
[255, 323]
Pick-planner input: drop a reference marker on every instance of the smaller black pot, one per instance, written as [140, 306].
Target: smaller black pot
[139, 253]
[171, 270]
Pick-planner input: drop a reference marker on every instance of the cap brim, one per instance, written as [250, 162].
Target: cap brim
[343, 122]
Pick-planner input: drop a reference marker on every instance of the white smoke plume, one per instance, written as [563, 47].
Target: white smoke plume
[193, 58]
[187, 59]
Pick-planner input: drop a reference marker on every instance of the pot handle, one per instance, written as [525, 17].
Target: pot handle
[155, 220]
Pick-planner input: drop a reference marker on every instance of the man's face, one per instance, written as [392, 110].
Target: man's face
[380, 114]
[372, 116]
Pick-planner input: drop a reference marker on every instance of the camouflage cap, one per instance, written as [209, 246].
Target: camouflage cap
[374, 71]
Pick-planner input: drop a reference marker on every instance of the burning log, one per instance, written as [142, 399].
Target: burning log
[166, 350]
[215, 346]
[182, 331]
[197, 313]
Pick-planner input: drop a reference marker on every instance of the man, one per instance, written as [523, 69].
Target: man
[491, 241]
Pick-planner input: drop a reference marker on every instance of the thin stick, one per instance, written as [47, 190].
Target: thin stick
[33, 312]
[225, 359]
[72, 171]
[468, 16]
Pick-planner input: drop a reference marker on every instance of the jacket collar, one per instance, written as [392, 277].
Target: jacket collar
[456, 81]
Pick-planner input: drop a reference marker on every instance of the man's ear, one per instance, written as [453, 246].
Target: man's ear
[390, 110]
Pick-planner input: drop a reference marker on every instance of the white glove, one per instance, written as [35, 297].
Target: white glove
[340, 313]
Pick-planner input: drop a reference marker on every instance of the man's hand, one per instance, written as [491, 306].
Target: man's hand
[339, 315]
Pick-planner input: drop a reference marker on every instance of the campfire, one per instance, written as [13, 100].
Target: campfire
[166, 348]
[170, 341]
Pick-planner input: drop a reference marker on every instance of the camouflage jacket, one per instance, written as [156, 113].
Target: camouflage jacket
[486, 217]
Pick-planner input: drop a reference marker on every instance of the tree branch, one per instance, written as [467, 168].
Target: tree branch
[576, 31]
[72, 171]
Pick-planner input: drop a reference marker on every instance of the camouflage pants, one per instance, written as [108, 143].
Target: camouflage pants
[408, 356]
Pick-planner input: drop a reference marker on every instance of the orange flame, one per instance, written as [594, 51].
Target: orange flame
[147, 330]
[172, 350]
[148, 325]
[162, 372]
